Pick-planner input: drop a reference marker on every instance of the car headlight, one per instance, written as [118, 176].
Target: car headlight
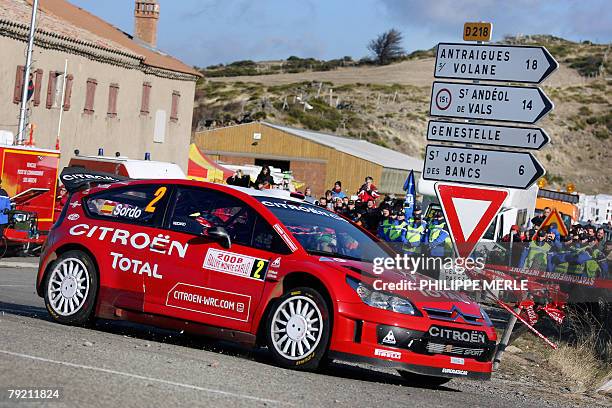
[381, 300]
[486, 317]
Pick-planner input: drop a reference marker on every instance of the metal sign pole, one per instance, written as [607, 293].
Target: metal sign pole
[26, 77]
[61, 107]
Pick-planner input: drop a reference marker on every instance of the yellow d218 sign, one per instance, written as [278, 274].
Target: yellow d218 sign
[477, 31]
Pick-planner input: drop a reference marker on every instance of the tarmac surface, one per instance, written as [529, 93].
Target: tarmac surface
[121, 364]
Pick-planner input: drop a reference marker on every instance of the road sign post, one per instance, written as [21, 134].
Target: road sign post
[490, 135]
[486, 62]
[481, 166]
[489, 102]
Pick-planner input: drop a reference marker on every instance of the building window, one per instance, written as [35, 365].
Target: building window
[90, 94]
[68, 94]
[176, 97]
[113, 94]
[18, 84]
[54, 90]
[38, 76]
[146, 95]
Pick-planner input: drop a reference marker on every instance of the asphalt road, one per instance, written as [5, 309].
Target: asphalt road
[127, 365]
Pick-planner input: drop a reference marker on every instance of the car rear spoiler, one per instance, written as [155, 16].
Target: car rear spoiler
[77, 178]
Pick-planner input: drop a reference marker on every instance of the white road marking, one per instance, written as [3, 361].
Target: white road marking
[15, 286]
[142, 377]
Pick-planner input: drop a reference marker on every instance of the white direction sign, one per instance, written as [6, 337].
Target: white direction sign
[480, 166]
[488, 102]
[502, 63]
[491, 135]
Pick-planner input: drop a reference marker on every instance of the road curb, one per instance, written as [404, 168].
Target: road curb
[11, 264]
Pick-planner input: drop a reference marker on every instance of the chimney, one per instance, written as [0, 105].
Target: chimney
[146, 14]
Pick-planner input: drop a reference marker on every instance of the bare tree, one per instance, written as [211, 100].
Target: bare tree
[387, 46]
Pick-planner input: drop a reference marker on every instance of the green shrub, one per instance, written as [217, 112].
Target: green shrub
[260, 115]
[602, 134]
[586, 64]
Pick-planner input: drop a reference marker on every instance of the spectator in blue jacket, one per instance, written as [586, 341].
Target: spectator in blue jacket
[337, 191]
[5, 206]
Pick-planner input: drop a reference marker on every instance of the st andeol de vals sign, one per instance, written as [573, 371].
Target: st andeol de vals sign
[489, 102]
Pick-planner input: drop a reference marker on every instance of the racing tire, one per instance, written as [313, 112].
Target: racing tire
[70, 288]
[422, 380]
[298, 329]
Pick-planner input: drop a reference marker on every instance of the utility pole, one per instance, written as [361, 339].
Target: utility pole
[26, 77]
[61, 107]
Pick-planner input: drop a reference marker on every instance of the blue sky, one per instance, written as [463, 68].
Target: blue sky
[206, 32]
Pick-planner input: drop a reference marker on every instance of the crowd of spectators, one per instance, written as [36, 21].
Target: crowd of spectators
[584, 251]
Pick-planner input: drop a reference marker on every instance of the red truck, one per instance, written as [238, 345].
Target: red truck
[29, 176]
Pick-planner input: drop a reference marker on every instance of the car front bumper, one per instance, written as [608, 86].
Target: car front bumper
[411, 347]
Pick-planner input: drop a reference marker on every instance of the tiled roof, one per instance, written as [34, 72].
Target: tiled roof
[61, 20]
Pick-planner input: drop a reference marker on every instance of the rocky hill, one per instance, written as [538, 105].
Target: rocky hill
[388, 105]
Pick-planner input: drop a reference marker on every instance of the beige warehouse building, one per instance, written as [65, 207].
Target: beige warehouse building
[318, 159]
[121, 93]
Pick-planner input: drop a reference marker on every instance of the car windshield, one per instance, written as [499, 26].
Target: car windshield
[322, 232]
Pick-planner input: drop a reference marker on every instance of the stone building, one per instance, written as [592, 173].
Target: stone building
[121, 93]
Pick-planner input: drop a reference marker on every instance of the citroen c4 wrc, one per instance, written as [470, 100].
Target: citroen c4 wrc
[257, 267]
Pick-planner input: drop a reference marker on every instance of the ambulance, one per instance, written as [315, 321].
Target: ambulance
[126, 167]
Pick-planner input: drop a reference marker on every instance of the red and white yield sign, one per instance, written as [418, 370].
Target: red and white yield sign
[468, 212]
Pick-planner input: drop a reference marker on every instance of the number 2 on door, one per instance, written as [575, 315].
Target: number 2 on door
[159, 194]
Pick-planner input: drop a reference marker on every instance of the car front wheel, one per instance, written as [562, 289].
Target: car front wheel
[70, 288]
[298, 329]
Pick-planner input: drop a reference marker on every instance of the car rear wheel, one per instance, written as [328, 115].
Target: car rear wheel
[298, 329]
[423, 380]
[71, 285]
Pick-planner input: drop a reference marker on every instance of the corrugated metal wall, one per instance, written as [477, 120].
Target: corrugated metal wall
[278, 145]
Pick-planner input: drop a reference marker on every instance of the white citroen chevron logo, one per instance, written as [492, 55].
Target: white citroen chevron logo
[389, 338]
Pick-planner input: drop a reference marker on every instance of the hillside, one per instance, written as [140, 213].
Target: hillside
[388, 105]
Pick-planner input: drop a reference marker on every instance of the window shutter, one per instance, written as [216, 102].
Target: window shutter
[113, 93]
[18, 84]
[51, 89]
[90, 94]
[68, 94]
[38, 76]
[175, 104]
[146, 95]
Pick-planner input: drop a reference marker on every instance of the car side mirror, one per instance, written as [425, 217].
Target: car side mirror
[220, 235]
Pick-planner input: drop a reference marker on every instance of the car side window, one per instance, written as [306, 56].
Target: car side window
[264, 237]
[140, 204]
[197, 210]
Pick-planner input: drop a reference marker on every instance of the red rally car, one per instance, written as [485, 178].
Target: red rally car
[260, 268]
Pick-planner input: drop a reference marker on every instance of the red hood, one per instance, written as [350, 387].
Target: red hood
[441, 300]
